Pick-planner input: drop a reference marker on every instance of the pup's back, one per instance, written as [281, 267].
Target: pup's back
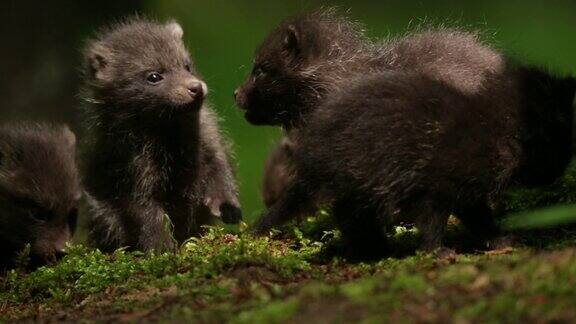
[398, 133]
[458, 58]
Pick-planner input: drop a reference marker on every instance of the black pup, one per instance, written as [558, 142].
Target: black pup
[308, 56]
[390, 135]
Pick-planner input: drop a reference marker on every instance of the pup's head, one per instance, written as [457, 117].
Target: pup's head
[39, 191]
[295, 65]
[141, 66]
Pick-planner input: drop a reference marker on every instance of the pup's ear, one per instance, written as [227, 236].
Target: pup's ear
[175, 29]
[98, 59]
[292, 42]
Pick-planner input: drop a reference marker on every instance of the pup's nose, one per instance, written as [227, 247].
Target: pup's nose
[196, 90]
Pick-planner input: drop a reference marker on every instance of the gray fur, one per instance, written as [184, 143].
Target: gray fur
[158, 161]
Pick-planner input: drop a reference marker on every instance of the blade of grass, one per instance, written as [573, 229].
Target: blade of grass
[542, 218]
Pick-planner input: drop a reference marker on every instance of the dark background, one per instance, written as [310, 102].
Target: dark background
[41, 41]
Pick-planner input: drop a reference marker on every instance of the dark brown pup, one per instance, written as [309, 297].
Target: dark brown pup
[158, 169]
[278, 172]
[39, 192]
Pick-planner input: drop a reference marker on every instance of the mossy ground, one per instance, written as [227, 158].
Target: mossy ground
[226, 277]
[296, 277]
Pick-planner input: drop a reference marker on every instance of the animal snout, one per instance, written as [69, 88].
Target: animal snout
[197, 89]
[240, 98]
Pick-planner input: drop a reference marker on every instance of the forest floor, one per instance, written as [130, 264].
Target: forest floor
[237, 278]
[301, 276]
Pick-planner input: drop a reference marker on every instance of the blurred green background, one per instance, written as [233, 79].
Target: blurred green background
[41, 42]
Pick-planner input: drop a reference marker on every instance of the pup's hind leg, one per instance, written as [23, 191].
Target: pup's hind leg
[361, 227]
[479, 220]
[431, 219]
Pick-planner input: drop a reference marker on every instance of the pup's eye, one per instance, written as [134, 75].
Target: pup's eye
[32, 208]
[154, 77]
[188, 68]
[40, 215]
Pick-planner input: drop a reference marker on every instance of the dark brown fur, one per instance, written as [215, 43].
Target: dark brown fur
[278, 172]
[158, 159]
[39, 191]
[310, 55]
[416, 128]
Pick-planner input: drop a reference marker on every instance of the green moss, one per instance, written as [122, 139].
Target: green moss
[239, 278]
[274, 312]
